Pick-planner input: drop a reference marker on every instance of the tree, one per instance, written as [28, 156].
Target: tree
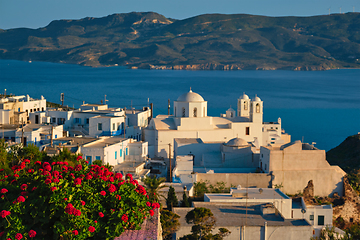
[204, 222]
[185, 201]
[171, 199]
[169, 223]
[153, 185]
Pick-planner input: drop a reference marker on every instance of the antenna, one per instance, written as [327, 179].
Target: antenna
[329, 10]
[340, 10]
[353, 8]
[105, 100]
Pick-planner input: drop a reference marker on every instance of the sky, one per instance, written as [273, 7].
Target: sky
[39, 13]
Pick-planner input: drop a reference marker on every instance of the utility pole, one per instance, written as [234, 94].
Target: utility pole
[105, 99]
[168, 106]
[51, 137]
[170, 162]
[152, 112]
[22, 136]
[62, 100]
[124, 121]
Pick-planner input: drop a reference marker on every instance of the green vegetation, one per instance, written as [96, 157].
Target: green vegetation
[210, 41]
[169, 223]
[171, 200]
[204, 222]
[153, 185]
[200, 188]
[185, 201]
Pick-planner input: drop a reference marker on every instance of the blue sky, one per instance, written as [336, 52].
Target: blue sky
[39, 13]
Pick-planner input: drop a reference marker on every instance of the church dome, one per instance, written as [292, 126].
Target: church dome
[244, 96]
[237, 142]
[257, 99]
[190, 97]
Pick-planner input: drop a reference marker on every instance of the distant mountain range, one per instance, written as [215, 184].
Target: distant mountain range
[211, 41]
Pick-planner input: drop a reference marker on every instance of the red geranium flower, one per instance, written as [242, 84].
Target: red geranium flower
[103, 193]
[18, 236]
[32, 233]
[4, 190]
[53, 189]
[20, 199]
[23, 187]
[4, 213]
[75, 232]
[77, 181]
[82, 203]
[124, 218]
[91, 229]
[48, 181]
[101, 214]
[34, 188]
[2, 233]
[112, 188]
[151, 212]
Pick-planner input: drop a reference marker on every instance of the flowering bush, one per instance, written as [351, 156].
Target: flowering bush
[59, 201]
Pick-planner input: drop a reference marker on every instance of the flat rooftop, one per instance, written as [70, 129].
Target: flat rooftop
[105, 141]
[188, 140]
[230, 215]
[253, 193]
[74, 140]
[127, 166]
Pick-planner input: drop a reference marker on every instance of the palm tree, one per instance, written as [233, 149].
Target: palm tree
[153, 185]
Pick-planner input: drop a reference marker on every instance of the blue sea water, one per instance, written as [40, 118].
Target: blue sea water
[318, 106]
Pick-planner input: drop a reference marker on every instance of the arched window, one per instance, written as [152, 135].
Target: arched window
[195, 112]
[246, 105]
[257, 108]
[231, 114]
[183, 112]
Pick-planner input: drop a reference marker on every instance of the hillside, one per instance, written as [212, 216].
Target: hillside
[347, 154]
[211, 41]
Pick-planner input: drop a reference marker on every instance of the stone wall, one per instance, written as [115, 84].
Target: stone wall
[259, 180]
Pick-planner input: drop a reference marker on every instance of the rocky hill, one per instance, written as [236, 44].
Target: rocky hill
[347, 154]
[211, 41]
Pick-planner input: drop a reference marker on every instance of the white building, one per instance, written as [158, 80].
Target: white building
[38, 134]
[16, 109]
[114, 150]
[295, 164]
[190, 120]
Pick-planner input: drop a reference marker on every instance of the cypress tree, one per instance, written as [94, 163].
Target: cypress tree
[171, 200]
[185, 201]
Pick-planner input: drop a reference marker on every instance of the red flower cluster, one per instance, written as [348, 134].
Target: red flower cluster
[77, 181]
[69, 209]
[101, 214]
[112, 188]
[124, 217]
[151, 212]
[78, 158]
[23, 187]
[103, 193]
[4, 213]
[91, 229]
[53, 189]
[82, 203]
[32, 233]
[18, 236]
[140, 189]
[46, 166]
[20, 199]
[118, 197]
[75, 232]
[4, 190]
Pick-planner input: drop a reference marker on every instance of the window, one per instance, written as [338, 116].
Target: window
[53, 120]
[321, 219]
[231, 114]
[87, 120]
[272, 138]
[126, 151]
[42, 109]
[55, 135]
[120, 154]
[77, 120]
[89, 159]
[97, 158]
[183, 112]
[247, 131]
[18, 109]
[99, 126]
[195, 112]
[115, 154]
[272, 142]
[258, 108]
[311, 217]
[246, 105]
[113, 126]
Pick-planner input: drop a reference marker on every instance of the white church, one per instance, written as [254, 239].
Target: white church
[190, 120]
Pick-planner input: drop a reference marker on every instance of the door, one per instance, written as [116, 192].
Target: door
[321, 220]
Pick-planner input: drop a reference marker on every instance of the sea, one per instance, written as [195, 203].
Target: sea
[320, 107]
